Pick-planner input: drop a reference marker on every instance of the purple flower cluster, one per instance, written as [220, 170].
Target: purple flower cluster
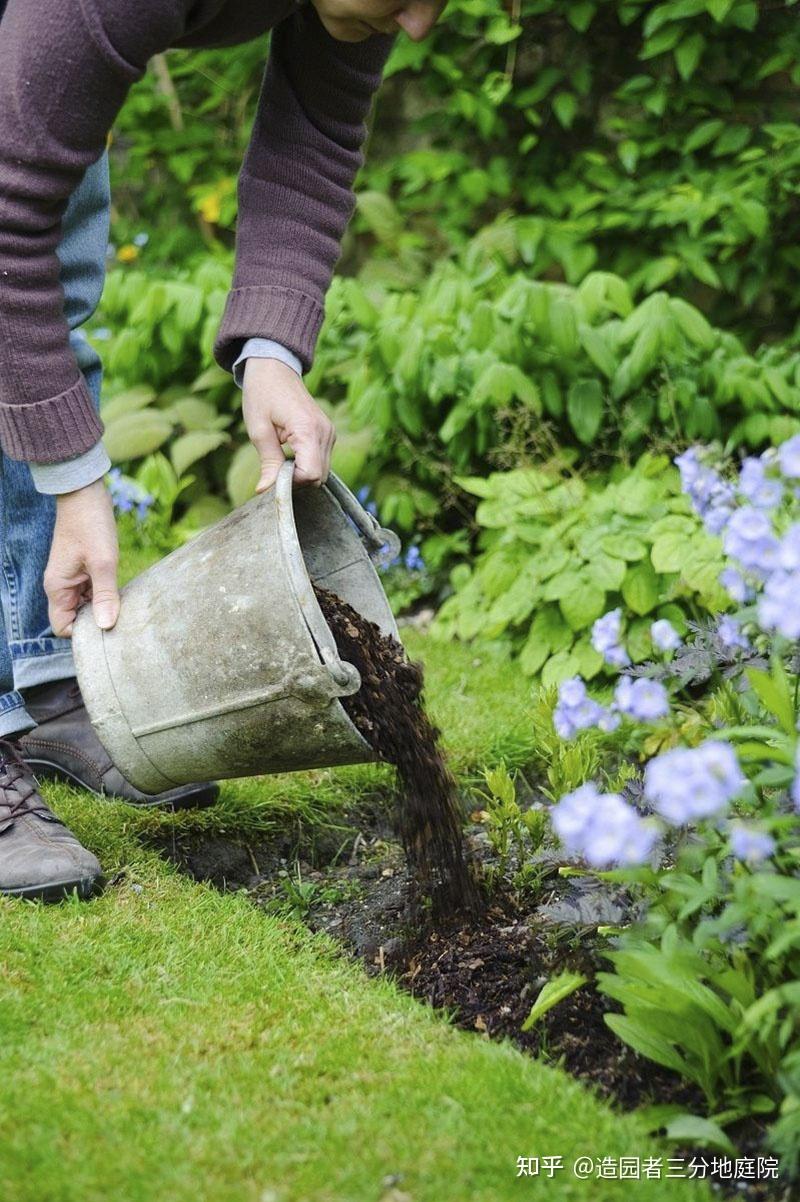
[713, 499]
[750, 538]
[127, 496]
[760, 489]
[644, 700]
[689, 783]
[602, 829]
[750, 843]
[576, 710]
[607, 639]
[766, 564]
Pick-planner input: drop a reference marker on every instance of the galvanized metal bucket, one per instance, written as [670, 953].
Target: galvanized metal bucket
[221, 663]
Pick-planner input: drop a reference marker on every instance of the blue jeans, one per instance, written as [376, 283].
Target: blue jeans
[29, 653]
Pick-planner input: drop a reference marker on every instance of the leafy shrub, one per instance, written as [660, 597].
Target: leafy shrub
[707, 842]
[558, 550]
[478, 368]
[558, 111]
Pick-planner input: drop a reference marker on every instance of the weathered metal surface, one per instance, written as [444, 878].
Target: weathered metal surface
[221, 663]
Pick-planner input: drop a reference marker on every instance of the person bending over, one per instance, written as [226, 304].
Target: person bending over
[65, 69]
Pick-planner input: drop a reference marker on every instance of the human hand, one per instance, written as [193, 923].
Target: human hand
[83, 559]
[278, 408]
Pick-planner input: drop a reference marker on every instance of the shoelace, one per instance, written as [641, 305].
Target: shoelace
[18, 792]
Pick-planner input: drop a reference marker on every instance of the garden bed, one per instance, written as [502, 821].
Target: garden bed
[352, 883]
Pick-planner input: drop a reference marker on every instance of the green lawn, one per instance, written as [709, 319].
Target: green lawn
[167, 1042]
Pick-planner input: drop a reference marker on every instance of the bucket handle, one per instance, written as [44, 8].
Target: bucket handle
[383, 545]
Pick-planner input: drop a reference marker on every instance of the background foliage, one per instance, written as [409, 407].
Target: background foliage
[576, 235]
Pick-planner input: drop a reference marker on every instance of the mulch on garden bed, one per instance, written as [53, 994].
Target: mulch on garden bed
[486, 972]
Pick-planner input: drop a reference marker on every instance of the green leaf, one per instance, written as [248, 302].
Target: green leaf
[702, 134]
[597, 347]
[624, 546]
[212, 377]
[129, 401]
[192, 413]
[134, 435]
[381, 215]
[582, 605]
[195, 445]
[606, 572]
[585, 409]
[555, 991]
[668, 552]
[690, 1130]
[638, 1036]
[640, 588]
[693, 324]
[688, 55]
[775, 691]
[565, 107]
[243, 474]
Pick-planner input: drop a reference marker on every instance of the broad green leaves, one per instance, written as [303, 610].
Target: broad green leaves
[565, 551]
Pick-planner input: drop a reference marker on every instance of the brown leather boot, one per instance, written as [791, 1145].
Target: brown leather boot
[64, 746]
[39, 858]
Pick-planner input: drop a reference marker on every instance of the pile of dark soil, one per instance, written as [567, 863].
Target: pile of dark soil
[388, 711]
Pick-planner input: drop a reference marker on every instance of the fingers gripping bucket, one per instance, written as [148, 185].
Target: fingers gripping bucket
[221, 663]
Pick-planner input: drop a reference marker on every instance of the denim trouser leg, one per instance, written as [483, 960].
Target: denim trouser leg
[29, 654]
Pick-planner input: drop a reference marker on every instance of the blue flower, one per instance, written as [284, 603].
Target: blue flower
[761, 490]
[789, 457]
[127, 495]
[778, 609]
[601, 828]
[575, 709]
[414, 561]
[664, 635]
[730, 634]
[363, 497]
[141, 239]
[736, 586]
[687, 784]
[789, 554]
[645, 700]
[712, 498]
[606, 639]
[750, 539]
[750, 843]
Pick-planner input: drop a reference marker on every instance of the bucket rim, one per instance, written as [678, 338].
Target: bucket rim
[344, 675]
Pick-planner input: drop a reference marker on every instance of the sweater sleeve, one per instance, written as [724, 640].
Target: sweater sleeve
[295, 188]
[65, 69]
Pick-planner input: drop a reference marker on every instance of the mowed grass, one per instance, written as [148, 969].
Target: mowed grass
[165, 1041]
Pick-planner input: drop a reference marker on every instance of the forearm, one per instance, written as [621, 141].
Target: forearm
[296, 185]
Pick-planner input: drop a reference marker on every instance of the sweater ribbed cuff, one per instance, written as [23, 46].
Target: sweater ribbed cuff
[49, 431]
[283, 314]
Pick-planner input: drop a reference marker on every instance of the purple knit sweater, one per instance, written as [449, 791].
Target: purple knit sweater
[65, 69]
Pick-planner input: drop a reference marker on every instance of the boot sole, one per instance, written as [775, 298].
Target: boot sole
[55, 891]
[199, 800]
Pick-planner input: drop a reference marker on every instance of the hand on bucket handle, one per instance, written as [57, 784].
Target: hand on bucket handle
[278, 409]
[83, 559]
